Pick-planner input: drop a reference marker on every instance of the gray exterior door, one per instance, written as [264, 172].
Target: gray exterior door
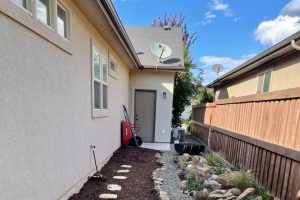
[144, 113]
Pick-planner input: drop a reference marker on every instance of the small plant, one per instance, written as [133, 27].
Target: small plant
[243, 180]
[263, 193]
[216, 161]
[194, 184]
[182, 164]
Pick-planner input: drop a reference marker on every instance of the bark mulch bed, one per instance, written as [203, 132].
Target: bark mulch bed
[138, 185]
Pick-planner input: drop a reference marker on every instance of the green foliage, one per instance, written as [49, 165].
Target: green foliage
[259, 191]
[194, 184]
[203, 95]
[216, 161]
[243, 180]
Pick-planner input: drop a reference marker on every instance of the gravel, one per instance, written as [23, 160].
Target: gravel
[171, 180]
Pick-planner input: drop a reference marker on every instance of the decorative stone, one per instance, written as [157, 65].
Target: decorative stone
[157, 183]
[246, 193]
[259, 198]
[157, 188]
[123, 171]
[159, 179]
[114, 187]
[204, 172]
[213, 177]
[108, 196]
[186, 157]
[212, 184]
[204, 194]
[225, 179]
[126, 166]
[183, 185]
[120, 177]
[163, 196]
[217, 194]
[235, 191]
[157, 155]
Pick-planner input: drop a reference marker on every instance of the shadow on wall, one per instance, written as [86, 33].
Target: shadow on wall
[223, 94]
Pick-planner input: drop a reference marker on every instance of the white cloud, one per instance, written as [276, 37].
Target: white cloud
[271, 32]
[219, 5]
[209, 15]
[292, 8]
[228, 63]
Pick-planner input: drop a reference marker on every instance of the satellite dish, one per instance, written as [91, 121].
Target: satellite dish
[160, 50]
[217, 68]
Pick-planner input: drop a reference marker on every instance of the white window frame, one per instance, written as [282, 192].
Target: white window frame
[113, 73]
[96, 112]
[260, 88]
[28, 7]
[52, 14]
[58, 4]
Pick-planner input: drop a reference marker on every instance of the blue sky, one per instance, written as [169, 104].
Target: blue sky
[229, 31]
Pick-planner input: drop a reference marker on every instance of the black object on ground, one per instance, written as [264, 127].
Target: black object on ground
[190, 145]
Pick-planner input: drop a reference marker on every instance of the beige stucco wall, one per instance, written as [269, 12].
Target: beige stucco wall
[46, 127]
[285, 75]
[161, 81]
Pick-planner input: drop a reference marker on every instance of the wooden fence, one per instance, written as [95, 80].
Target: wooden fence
[258, 132]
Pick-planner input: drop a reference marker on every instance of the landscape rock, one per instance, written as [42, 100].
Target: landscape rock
[204, 172]
[204, 194]
[212, 184]
[183, 185]
[259, 198]
[225, 180]
[235, 191]
[213, 177]
[157, 188]
[126, 166]
[163, 196]
[186, 157]
[157, 155]
[219, 194]
[120, 177]
[157, 183]
[246, 193]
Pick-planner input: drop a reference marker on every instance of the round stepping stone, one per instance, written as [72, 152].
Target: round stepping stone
[120, 177]
[126, 166]
[123, 171]
[108, 196]
[114, 187]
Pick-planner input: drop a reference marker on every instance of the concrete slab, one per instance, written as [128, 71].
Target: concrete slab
[157, 146]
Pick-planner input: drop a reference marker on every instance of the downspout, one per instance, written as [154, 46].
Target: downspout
[294, 45]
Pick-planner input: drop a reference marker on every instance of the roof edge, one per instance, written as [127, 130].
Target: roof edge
[117, 25]
[269, 52]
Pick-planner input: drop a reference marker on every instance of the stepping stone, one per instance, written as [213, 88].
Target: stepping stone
[123, 171]
[126, 166]
[114, 187]
[120, 177]
[108, 196]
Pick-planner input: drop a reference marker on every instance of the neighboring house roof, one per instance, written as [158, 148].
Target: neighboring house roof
[282, 48]
[143, 37]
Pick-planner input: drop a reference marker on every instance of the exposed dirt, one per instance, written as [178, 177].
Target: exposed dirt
[138, 185]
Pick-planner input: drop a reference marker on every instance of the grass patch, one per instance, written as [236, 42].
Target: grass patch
[215, 160]
[194, 184]
[243, 180]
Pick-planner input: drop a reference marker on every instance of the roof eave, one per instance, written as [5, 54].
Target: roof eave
[283, 45]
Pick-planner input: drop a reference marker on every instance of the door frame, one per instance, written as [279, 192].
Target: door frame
[155, 104]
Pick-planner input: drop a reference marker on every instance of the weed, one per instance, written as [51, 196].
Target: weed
[218, 170]
[214, 160]
[263, 193]
[182, 164]
[194, 184]
[243, 180]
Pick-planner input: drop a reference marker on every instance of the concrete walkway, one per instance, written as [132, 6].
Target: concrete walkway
[157, 146]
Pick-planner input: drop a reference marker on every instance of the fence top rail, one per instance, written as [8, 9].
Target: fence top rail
[205, 105]
[293, 93]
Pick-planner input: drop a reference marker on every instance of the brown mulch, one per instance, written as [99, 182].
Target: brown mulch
[138, 185]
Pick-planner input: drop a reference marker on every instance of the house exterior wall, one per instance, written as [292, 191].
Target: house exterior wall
[161, 81]
[285, 75]
[46, 125]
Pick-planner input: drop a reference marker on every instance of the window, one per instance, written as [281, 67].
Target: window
[264, 81]
[22, 3]
[62, 26]
[113, 69]
[43, 11]
[100, 80]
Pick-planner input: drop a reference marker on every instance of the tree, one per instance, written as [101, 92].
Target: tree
[185, 84]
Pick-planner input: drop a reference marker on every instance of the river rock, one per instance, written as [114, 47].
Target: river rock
[108, 196]
[204, 194]
[212, 184]
[235, 191]
[246, 193]
[183, 185]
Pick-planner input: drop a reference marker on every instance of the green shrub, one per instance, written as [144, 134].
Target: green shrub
[263, 193]
[214, 160]
[243, 180]
[194, 184]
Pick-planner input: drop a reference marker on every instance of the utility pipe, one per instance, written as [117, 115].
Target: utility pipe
[294, 45]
